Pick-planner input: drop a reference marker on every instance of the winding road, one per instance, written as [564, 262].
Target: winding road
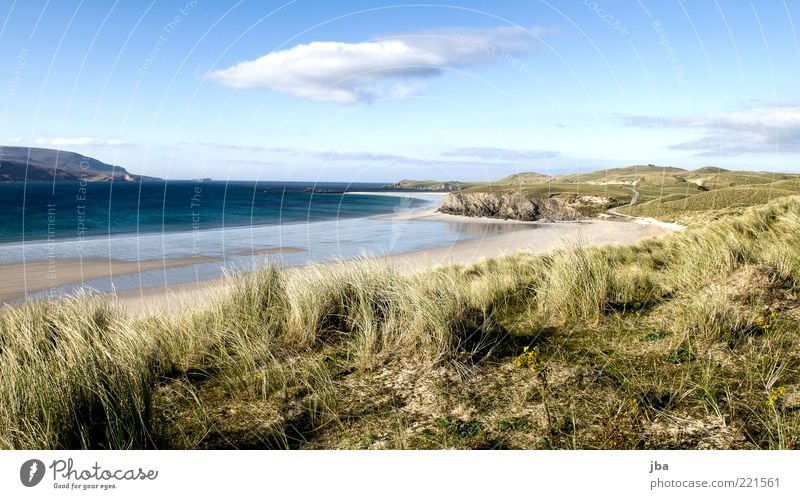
[644, 220]
[634, 199]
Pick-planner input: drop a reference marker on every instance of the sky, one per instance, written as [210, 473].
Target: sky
[378, 91]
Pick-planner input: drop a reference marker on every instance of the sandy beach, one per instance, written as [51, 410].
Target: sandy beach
[542, 238]
[496, 238]
[21, 279]
[516, 236]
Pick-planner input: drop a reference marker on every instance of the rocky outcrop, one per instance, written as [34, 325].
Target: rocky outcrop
[518, 206]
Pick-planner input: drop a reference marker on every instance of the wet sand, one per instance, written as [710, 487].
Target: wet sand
[21, 279]
[268, 251]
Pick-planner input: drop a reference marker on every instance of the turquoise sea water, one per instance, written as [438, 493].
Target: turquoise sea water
[62, 210]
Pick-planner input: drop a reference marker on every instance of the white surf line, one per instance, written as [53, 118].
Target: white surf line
[427, 196]
[434, 201]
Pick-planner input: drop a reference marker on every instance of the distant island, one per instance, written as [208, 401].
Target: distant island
[20, 164]
[322, 190]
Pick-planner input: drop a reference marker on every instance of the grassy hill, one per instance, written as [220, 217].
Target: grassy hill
[709, 169]
[430, 185]
[660, 184]
[711, 180]
[620, 175]
[525, 178]
[685, 208]
[547, 189]
[669, 193]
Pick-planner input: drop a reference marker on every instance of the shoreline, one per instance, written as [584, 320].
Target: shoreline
[499, 238]
[542, 238]
[23, 279]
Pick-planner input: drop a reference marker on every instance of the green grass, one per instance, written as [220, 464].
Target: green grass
[665, 192]
[626, 174]
[524, 178]
[717, 180]
[720, 201]
[620, 194]
[689, 341]
[432, 184]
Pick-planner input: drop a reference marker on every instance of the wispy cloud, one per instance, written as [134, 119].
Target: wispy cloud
[319, 154]
[451, 157]
[393, 66]
[79, 141]
[496, 153]
[755, 130]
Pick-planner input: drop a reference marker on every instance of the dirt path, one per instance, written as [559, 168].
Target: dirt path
[643, 220]
[634, 199]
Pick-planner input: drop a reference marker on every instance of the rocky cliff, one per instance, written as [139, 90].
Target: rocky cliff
[517, 206]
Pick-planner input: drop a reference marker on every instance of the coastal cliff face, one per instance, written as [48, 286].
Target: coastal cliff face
[517, 206]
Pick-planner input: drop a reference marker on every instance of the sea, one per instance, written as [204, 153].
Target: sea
[230, 226]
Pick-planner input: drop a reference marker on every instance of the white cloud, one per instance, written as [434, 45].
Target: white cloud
[80, 141]
[773, 129]
[392, 66]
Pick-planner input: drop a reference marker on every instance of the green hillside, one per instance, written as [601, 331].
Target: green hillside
[677, 208]
[664, 192]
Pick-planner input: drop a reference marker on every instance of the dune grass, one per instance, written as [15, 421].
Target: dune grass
[546, 189]
[690, 341]
[677, 207]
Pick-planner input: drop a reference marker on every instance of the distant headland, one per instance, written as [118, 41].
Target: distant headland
[20, 164]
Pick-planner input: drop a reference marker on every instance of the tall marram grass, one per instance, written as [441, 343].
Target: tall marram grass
[283, 345]
[75, 374]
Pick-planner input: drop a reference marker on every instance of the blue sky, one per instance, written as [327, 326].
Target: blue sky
[379, 91]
